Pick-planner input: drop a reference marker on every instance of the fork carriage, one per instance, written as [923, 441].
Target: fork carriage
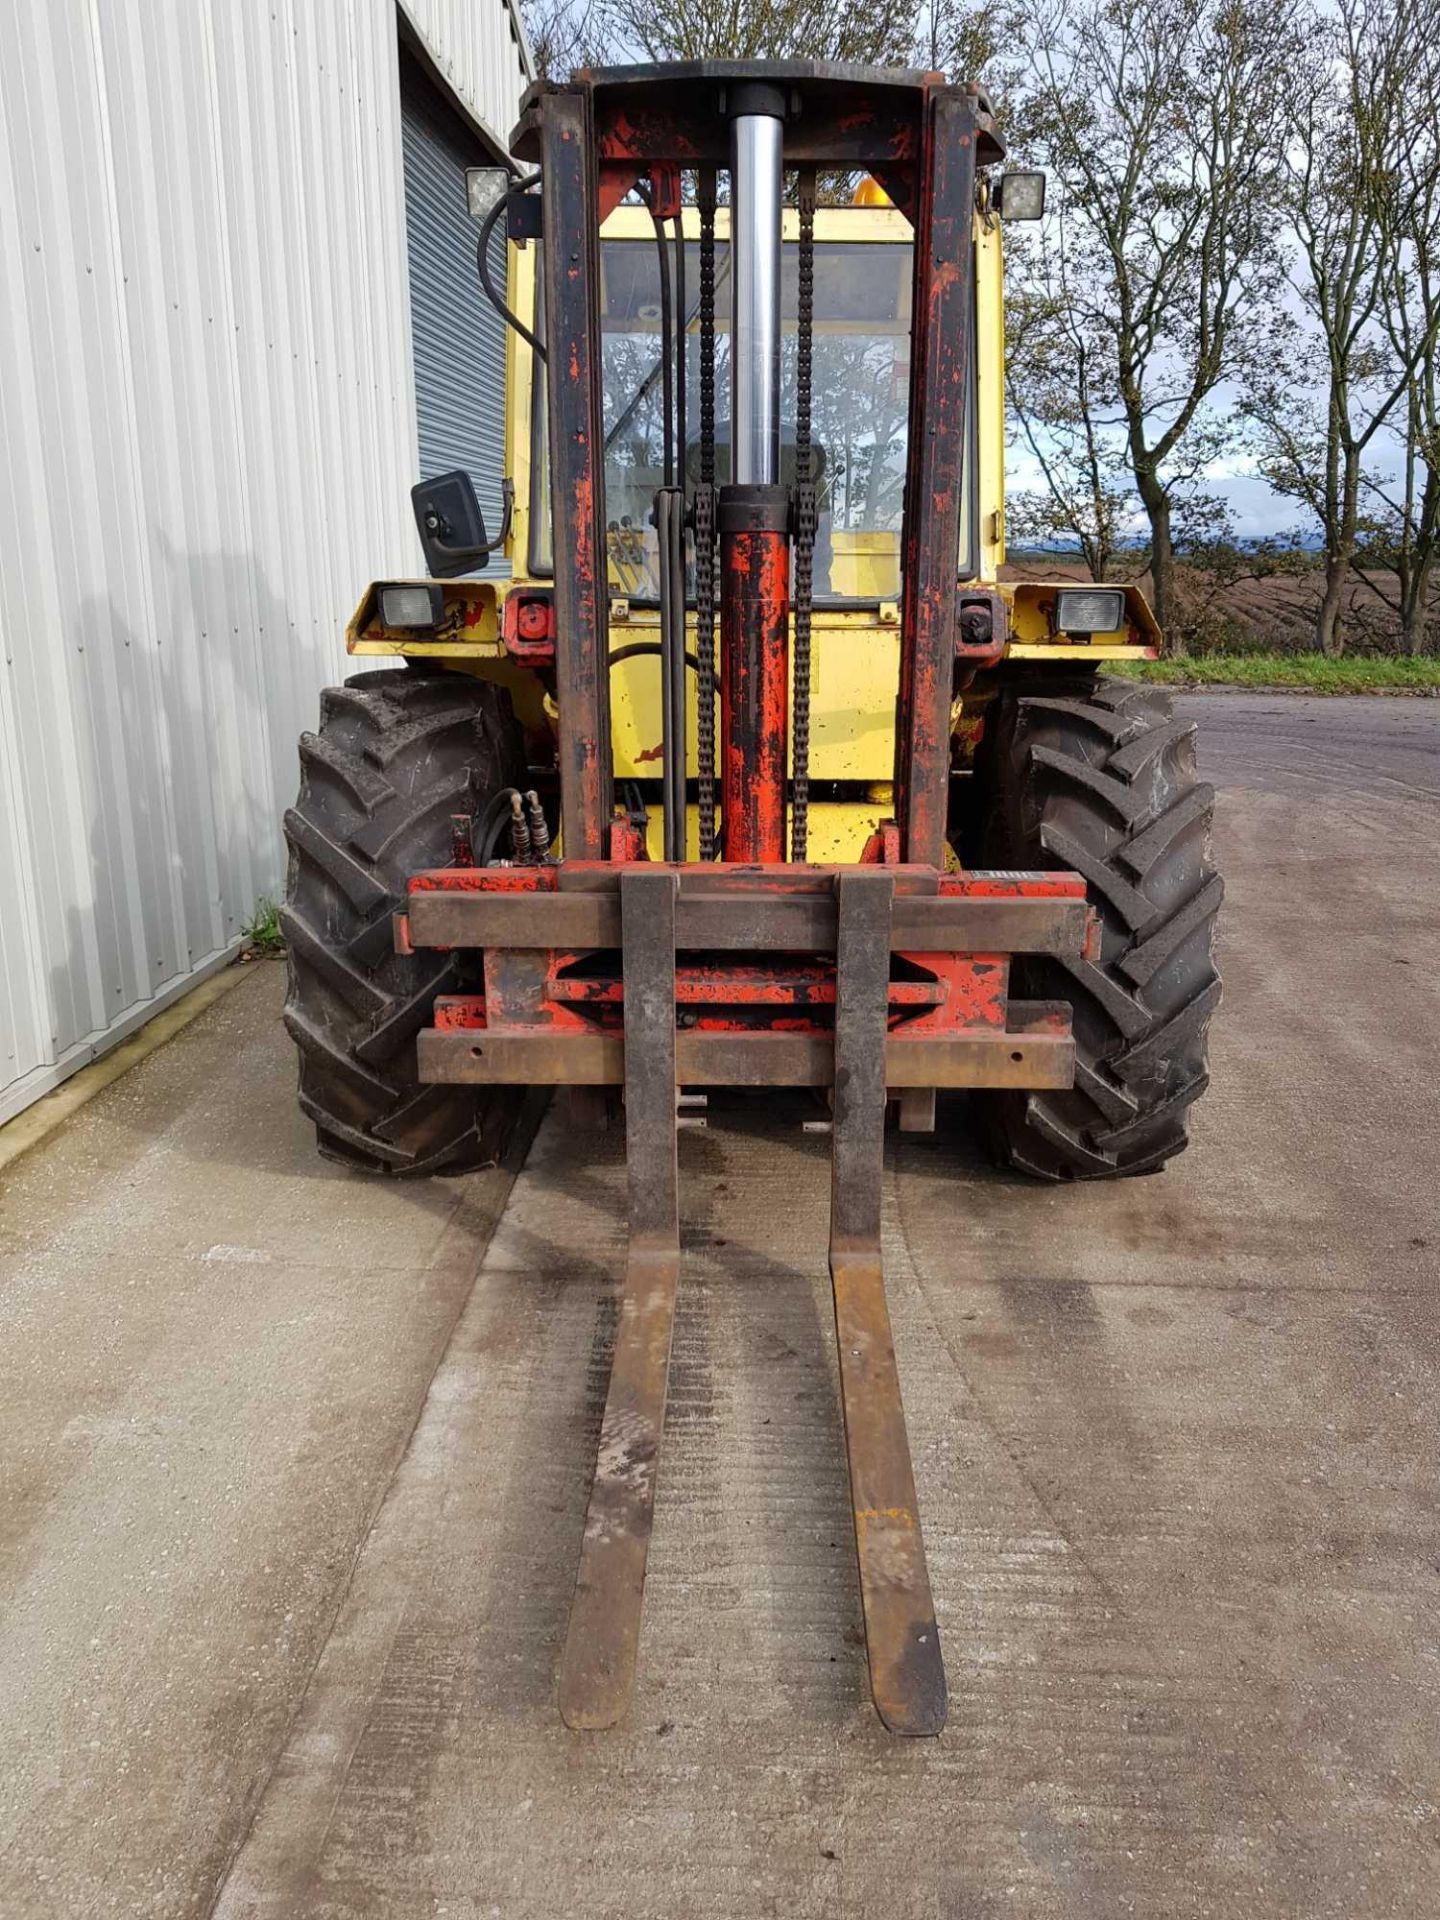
[868, 980]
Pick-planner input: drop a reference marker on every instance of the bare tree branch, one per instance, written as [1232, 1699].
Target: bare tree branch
[1159, 123]
[1362, 193]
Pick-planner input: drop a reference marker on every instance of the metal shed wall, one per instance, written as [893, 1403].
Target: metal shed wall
[207, 437]
[457, 337]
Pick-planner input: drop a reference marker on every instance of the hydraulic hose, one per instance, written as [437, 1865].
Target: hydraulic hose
[482, 265]
[667, 325]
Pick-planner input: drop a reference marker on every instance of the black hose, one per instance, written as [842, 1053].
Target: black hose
[482, 265]
[675, 723]
[634, 647]
[494, 821]
[680, 343]
[669, 523]
[667, 346]
[670, 536]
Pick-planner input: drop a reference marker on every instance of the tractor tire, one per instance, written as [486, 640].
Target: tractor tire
[397, 754]
[1099, 776]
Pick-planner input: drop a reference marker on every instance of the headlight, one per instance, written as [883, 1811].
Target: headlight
[414, 607]
[1090, 610]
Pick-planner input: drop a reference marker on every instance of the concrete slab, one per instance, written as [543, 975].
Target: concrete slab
[1176, 1445]
[213, 1348]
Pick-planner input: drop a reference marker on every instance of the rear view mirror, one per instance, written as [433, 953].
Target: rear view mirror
[450, 523]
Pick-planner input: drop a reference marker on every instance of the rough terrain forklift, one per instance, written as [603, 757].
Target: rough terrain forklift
[897, 834]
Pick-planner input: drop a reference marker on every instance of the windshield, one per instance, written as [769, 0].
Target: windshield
[860, 406]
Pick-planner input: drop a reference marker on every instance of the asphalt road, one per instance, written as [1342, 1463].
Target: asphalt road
[1176, 1442]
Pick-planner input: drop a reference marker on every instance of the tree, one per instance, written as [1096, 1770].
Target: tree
[1158, 122]
[1362, 167]
[970, 40]
[563, 34]
[1399, 537]
[1406, 539]
[761, 30]
[1059, 391]
[1412, 319]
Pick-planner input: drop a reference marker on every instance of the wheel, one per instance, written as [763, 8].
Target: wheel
[1099, 776]
[396, 755]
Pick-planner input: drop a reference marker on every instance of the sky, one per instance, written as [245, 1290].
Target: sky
[1256, 508]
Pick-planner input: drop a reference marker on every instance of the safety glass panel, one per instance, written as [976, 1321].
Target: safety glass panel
[860, 408]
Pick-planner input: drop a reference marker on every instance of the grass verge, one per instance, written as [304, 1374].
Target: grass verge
[1306, 672]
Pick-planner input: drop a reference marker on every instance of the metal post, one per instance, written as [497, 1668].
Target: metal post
[939, 376]
[756, 189]
[754, 514]
[754, 669]
[577, 477]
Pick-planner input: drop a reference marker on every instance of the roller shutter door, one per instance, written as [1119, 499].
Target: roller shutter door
[459, 339]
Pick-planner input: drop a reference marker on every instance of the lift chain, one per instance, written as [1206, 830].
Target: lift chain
[806, 516]
[703, 512]
[704, 524]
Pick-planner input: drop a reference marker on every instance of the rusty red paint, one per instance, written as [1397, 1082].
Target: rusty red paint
[519, 984]
[459, 1013]
[743, 984]
[781, 877]
[882, 849]
[754, 693]
[634, 134]
[483, 880]
[627, 843]
[562, 992]
[1014, 886]
[527, 988]
[973, 991]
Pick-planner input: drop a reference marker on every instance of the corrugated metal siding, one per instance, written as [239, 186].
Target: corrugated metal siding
[479, 46]
[457, 337]
[207, 438]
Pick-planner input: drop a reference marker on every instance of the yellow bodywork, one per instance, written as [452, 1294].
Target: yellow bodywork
[855, 652]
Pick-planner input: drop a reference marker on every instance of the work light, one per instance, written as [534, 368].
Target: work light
[1090, 610]
[483, 187]
[414, 607]
[1020, 196]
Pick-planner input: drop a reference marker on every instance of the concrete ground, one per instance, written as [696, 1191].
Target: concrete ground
[1176, 1444]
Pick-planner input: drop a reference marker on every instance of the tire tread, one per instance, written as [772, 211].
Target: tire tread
[397, 753]
[1098, 775]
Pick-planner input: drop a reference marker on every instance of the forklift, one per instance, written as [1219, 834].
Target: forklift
[751, 772]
